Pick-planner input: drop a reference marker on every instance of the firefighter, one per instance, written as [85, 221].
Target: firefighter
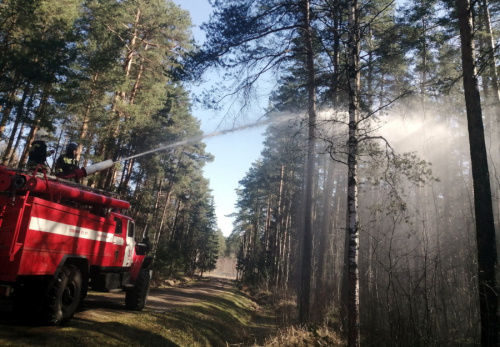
[38, 151]
[67, 163]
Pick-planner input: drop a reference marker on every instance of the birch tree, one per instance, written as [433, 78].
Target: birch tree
[352, 167]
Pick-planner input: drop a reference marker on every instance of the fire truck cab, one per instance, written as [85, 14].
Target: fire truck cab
[58, 240]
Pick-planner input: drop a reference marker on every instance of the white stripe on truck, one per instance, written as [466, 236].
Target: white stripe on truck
[48, 226]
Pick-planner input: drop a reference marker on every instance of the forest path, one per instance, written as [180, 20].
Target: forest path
[208, 312]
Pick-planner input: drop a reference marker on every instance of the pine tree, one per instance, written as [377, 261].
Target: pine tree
[485, 225]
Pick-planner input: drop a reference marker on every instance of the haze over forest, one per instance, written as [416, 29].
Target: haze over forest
[374, 205]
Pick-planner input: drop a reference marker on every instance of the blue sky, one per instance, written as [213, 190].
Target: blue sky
[234, 152]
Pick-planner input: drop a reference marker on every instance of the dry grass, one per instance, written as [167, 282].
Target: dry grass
[302, 337]
[285, 313]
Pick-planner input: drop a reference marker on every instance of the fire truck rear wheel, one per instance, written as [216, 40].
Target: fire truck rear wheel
[135, 299]
[63, 298]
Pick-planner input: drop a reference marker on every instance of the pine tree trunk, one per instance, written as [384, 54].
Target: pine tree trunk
[305, 283]
[483, 209]
[321, 301]
[86, 116]
[490, 54]
[9, 150]
[162, 220]
[7, 110]
[493, 121]
[278, 256]
[41, 113]
[17, 144]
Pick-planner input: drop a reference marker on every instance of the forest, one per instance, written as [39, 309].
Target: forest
[375, 203]
[101, 74]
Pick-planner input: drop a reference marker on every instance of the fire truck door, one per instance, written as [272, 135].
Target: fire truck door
[130, 240]
[118, 243]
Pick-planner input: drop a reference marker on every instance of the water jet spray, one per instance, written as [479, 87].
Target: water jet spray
[104, 165]
[198, 138]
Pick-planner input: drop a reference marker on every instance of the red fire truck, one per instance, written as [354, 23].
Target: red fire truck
[58, 239]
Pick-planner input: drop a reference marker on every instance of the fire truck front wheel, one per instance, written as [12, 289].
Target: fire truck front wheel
[63, 296]
[135, 298]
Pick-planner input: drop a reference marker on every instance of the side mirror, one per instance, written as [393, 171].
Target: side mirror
[141, 248]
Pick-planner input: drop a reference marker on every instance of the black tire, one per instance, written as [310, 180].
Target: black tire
[63, 296]
[135, 298]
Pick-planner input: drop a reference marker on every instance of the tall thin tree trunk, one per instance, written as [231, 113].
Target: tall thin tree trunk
[353, 337]
[11, 162]
[483, 209]
[174, 223]
[494, 119]
[278, 256]
[321, 301]
[305, 282]
[9, 150]
[490, 55]
[86, 116]
[40, 113]
[7, 110]
[162, 220]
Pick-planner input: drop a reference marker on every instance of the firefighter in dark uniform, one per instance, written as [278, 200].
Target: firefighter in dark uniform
[67, 163]
[38, 151]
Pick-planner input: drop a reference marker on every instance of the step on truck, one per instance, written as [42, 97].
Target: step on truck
[59, 239]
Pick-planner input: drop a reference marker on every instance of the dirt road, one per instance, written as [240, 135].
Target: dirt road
[210, 312]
